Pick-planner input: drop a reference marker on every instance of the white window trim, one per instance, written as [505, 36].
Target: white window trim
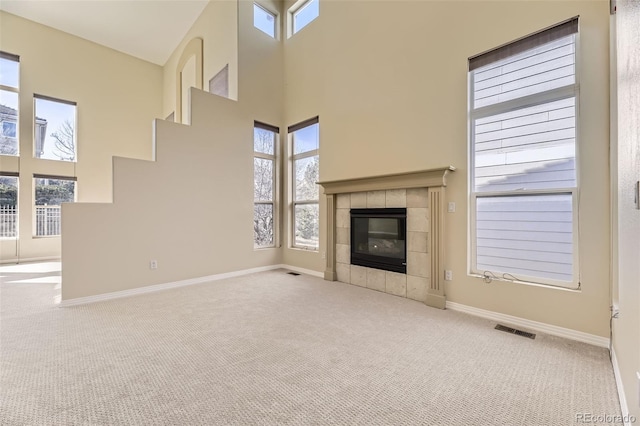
[511, 105]
[16, 90]
[34, 218]
[17, 209]
[294, 11]
[275, 202]
[276, 21]
[292, 189]
[75, 127]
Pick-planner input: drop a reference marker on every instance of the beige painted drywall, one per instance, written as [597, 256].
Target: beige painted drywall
[389, 82]
[191, 209]
[626, 156]
[218, 27]
[118, 97]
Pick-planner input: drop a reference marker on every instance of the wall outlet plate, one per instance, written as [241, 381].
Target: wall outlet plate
[451, 207]
[153, 264]
[448, 275]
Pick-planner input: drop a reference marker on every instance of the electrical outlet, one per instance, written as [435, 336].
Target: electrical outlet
[448, 275]
[615, 312]
[451, 207]
[324, 254]
[153, 264]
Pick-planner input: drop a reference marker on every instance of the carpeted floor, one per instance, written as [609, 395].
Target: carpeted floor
[273, 348]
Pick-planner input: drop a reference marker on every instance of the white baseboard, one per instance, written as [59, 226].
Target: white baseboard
[165, 286]
[624, 408]
[532, 325]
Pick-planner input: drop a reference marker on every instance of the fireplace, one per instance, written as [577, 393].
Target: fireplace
[378, 238]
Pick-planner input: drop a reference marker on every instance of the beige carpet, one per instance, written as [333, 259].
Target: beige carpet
[272, 348]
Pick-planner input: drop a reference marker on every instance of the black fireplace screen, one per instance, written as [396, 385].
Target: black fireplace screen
[378, 238]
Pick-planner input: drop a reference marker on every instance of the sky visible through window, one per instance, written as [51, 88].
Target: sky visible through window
[9, 72]
[305, 139]
[56, 114]
[9, 99]
[305, 14]
[264, 21]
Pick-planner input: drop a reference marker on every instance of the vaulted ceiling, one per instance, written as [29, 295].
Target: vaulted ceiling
[146, 29]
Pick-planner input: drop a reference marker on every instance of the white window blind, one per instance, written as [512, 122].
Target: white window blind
[523, 154]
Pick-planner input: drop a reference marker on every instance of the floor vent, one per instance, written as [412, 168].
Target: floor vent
[515, 331]
[295, 274]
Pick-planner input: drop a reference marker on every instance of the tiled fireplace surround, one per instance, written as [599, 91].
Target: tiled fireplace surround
[422, 193]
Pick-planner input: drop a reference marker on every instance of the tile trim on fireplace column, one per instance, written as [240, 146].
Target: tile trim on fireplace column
[435, 182]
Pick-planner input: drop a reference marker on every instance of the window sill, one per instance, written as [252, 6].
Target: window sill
[38, 237]
[577, 289]
[305, 249]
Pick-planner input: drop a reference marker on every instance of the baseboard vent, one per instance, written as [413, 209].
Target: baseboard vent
[515, 331]
[295, 274]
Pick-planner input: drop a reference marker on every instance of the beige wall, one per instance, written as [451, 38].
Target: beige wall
[191, 209]
[389, 82]
[626, 160]
[218, 27]
[117, 98]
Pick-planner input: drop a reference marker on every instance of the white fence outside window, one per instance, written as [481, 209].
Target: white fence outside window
[8, 221]
[48, 220]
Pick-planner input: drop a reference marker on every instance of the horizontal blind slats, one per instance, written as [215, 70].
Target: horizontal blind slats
[548, 67]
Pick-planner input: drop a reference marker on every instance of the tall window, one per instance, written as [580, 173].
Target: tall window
[523, 177]
[303, 14]
[54, 129]
[8, 205]
[9, 88]
[265, 150]
[305, 172]
[50, 193]
[264, 20]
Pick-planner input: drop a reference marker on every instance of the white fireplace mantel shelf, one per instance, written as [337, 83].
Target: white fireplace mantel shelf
[435, 181]
[415, 179]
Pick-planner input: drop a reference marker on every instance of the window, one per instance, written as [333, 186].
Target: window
[219, 83]
[523, 177]
[9, 89]
[265, 149]
[54, 129]
[264, 20]
[304, 14]
[305, 162]
[8, 205]
[50, 193]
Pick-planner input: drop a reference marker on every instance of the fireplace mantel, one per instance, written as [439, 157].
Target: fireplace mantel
[416, 179]
[435, 181]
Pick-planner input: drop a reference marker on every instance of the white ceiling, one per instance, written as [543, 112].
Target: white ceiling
[147, 29]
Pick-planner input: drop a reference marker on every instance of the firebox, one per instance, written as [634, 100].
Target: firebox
[378, 238]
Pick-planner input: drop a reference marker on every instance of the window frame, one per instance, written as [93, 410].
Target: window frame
[16, 213]
[275, 199]
[292, 170]
[37, 96]
[15, 58]
[35, 206]
[294, 11]
[547, 96]
[276, 20]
